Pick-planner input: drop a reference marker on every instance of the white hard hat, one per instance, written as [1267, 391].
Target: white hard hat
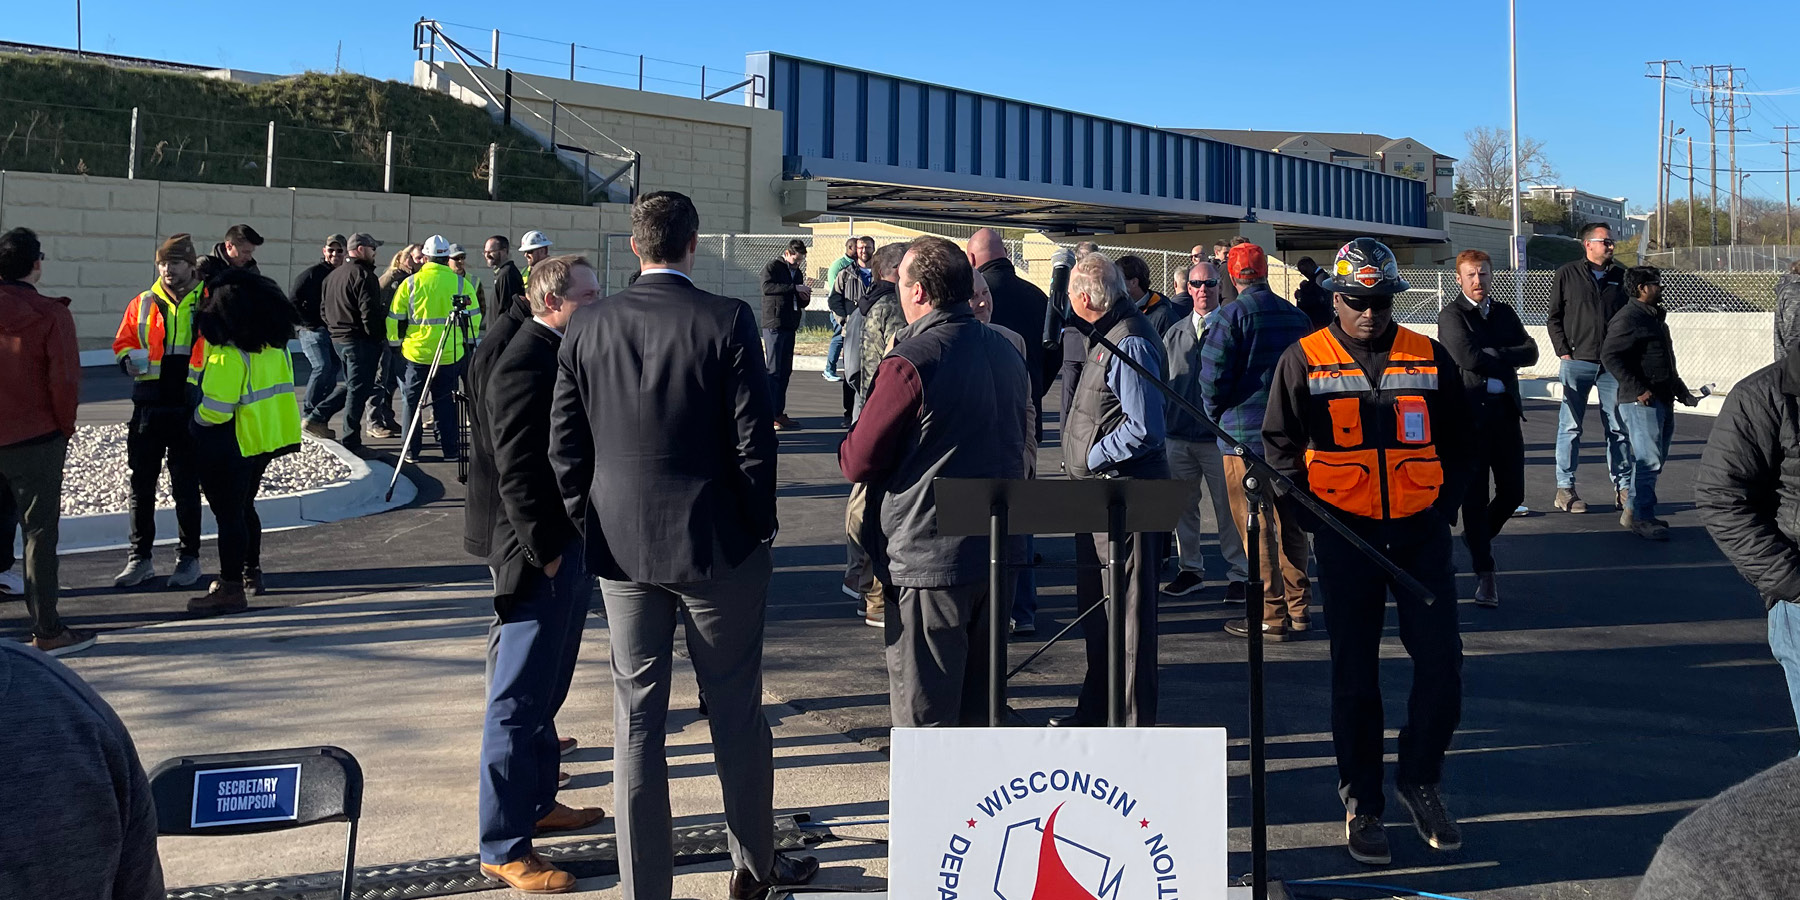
[534, 240]
[436, 247]
[456, 250]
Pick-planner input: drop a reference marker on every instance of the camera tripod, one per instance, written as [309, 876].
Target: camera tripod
[459, 326]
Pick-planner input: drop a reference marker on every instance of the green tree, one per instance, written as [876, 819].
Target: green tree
[1548, 214]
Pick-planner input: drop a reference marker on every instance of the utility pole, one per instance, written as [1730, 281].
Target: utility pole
[1712, 144]
[1690, 192]
[1731, 111]
[1662, 118]
[1787, 181]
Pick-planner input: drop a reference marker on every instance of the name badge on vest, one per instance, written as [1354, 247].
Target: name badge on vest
[1415, 420]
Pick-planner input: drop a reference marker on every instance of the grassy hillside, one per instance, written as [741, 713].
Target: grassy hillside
[64, 116]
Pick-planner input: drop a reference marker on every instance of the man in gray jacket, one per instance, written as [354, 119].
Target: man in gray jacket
[1194, 453]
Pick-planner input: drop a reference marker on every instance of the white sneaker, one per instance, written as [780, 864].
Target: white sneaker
[11, 582]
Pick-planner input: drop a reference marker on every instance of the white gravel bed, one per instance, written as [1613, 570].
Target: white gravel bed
[96, 478]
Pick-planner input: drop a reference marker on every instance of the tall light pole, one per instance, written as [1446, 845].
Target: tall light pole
[77, 26]
[1512, 28]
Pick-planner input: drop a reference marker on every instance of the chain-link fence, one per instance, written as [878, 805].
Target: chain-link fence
[1722, 322]
[1739, 258]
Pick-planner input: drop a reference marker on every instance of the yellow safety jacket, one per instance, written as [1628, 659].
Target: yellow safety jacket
[421, 314]
[146, 326]
[1372, 454]
[254, 391]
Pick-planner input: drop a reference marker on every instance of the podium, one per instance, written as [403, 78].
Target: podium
[1001, 508]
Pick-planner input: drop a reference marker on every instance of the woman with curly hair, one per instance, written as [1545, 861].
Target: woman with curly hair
[247, 417]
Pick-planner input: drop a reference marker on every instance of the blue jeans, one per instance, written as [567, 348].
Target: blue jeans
[1650, 427]
[1577, 377]
[324, 392]
[362, 368]
[443, 404]
[835, 352]
[1784, 642]
[534, 647]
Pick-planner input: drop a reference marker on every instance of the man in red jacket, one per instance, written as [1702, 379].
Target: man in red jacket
[41, 368]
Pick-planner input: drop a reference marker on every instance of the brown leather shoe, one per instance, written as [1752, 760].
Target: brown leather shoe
[570, 818]
[786, 872]
[565, 746]
[787, 423]
[222, 598]
[563, 779]
[530, 874]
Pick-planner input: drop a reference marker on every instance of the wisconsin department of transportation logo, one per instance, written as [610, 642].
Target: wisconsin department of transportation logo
[1073, 814]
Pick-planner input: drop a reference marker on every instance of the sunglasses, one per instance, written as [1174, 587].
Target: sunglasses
[1209, 283]
[1607, 241]
[1364, 304]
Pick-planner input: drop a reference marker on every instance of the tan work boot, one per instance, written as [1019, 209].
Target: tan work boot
[570, 818]
[530, 874]
[224, 597]
[1568, 501]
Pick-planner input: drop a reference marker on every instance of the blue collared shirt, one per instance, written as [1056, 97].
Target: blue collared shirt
[1143, 430]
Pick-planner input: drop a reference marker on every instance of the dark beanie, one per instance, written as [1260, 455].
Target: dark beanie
[178, 246]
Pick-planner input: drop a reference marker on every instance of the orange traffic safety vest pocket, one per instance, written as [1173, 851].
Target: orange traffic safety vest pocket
[1346, 421]
[1412, 420]
[1414, 480]
[1346, 480]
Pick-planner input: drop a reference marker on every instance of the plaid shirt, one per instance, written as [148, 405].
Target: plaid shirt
[1244, 340]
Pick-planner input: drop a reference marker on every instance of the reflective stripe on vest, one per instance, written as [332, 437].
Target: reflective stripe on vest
[178, 336]
[1380, 472]
[257, 398]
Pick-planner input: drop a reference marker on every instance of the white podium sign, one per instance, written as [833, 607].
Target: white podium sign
[1057, 814]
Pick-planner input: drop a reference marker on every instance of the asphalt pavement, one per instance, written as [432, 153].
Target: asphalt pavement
[1619, 684]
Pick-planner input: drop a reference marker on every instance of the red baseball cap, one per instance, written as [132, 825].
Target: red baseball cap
[1247, 262]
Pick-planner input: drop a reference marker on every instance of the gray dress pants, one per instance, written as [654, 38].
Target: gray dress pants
[725, 642]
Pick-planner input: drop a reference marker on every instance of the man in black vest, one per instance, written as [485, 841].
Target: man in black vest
[1489, 343]
[951, 400]
[1115, 428]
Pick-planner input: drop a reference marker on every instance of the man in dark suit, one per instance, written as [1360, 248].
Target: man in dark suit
[784, 293]
[508, 284]
[1489, 344]
[541, 590]
[664, 448]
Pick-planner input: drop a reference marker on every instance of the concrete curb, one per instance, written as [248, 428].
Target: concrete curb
[360, 494]
[1551, 389]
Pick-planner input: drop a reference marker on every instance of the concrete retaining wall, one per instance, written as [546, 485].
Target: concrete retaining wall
[100, 234]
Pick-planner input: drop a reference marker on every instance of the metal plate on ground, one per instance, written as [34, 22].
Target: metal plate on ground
[462, 874]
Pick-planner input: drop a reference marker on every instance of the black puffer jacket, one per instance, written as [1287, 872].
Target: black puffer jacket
[1787, 313]
[1748, 489]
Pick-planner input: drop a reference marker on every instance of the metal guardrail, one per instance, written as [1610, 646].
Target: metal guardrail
[602, 162]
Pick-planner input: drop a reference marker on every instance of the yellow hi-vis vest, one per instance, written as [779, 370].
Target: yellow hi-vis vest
[147, 326]
[422, 307]
[254, 391]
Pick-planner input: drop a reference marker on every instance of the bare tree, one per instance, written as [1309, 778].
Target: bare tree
[1487, 165]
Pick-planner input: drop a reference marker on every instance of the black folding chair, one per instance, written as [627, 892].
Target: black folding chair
[263, 791]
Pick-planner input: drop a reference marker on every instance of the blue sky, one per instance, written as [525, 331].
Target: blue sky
[1426, 70]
